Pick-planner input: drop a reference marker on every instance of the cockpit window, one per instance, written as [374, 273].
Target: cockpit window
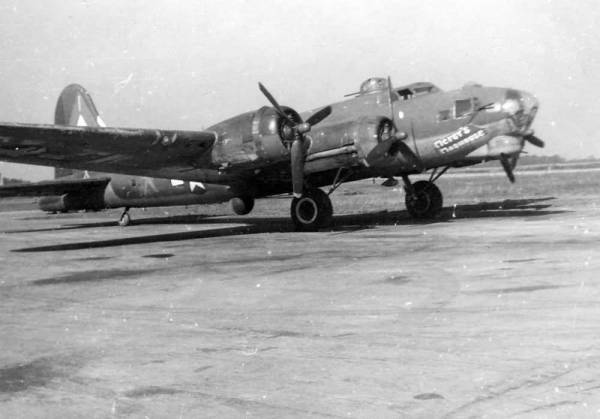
[405, 94]
[416, 89]
[423, 89]
[462, 108]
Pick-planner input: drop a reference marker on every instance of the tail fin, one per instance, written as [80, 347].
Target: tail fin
[75, 107]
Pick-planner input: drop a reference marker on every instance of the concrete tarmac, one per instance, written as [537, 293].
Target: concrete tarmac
[492, 310]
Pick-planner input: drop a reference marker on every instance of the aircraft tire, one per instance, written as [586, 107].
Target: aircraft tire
[125, 220]
[242, 205]
[426, 202]
[313, 210]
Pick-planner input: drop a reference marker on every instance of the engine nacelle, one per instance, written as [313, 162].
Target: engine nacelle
[346, 143]
[242, 205]
[253, 140]
[71, 202]
[257, 139]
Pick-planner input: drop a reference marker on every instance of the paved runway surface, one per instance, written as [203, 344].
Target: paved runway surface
[493, 310]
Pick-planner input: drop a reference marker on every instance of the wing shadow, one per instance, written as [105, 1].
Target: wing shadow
[341, 223]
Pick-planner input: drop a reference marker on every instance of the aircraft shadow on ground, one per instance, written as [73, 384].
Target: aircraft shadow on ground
[257, 225]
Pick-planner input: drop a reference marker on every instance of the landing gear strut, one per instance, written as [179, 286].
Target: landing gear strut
[125, 219]
[423, 198]
[312, 210]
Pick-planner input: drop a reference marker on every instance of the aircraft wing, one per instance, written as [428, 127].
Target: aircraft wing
[53, 187]
[145, 152]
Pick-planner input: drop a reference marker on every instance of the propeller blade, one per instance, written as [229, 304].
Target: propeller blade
[318, 116]
[391, 104]
[271, 99]
[390, 97]
[534, 140]
[513, 161]
[508, 168]
[418, 163]
[297, 165]
[408, 154]
[380, 154]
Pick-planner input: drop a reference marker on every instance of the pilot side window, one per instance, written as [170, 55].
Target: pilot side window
[405, 94]
[462, 108]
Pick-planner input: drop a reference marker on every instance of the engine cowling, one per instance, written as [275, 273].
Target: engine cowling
[242, 205]
[253, 140]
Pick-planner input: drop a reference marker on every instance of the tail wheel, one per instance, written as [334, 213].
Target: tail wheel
[312, 210]
[426, 200]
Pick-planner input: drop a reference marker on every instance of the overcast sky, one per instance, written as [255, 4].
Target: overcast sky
[189, 64]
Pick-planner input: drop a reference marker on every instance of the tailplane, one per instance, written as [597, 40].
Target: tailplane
[75, 107]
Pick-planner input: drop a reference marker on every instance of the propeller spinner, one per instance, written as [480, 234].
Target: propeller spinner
[299, 129]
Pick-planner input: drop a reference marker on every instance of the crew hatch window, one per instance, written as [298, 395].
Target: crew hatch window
[462, 108]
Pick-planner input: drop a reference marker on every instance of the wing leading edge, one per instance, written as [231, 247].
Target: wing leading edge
[145, 152]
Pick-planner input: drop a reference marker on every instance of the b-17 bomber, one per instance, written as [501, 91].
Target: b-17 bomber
[378, 131]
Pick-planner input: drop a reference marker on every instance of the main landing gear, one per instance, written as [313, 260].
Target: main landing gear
[312, 210]
[423, 198]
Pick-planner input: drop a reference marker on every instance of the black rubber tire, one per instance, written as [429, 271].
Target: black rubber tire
[426, 201]
[313, 210]
[242, 205]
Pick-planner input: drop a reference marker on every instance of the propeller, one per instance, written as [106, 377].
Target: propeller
[508, 166]
[510, 163]
[534, 140]
[299, 129]
[398, 136]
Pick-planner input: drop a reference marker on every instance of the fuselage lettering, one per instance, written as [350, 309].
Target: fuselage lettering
[458, 139]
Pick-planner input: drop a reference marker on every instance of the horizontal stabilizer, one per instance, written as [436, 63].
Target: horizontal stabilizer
[53, 187]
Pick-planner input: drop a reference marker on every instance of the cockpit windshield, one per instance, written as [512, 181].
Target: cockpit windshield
[416, 89]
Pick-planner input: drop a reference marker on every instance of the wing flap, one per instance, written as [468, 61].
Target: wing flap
[124, 150]
[53, 187]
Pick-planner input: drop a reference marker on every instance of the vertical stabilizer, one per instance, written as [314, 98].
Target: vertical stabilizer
[75, 107]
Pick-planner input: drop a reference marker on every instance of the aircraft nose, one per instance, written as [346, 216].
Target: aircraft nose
[530, 103]
[521, 107]
[530, 108]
